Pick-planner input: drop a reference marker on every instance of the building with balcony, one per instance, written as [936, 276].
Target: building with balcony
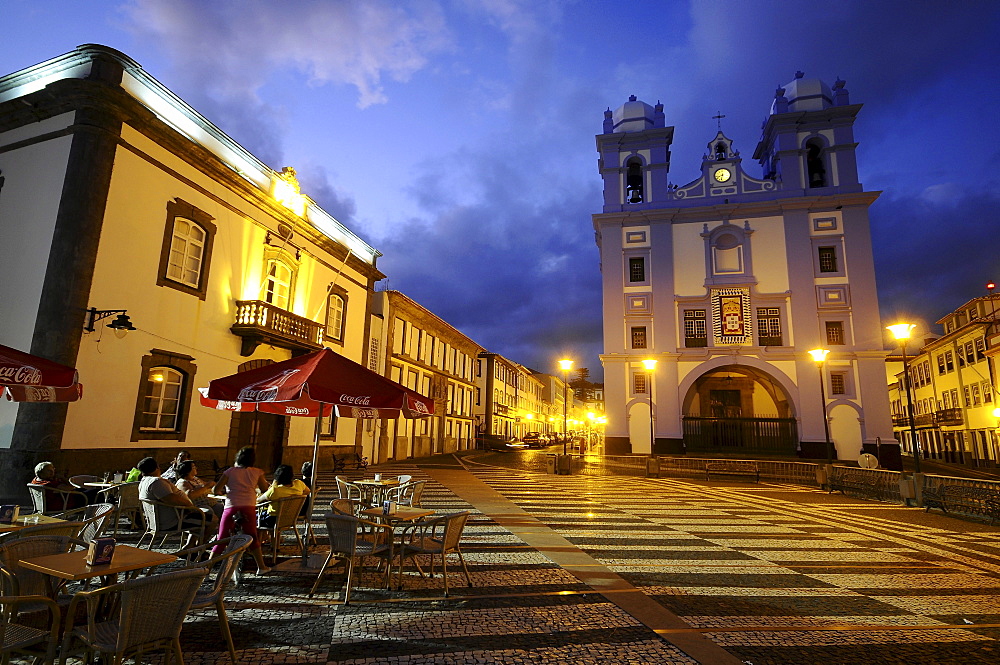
[510, 399]
[425, 353]
[727, 281]
[117, 195]
[952, 378]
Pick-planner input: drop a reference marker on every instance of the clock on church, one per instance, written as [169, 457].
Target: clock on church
[722, 175]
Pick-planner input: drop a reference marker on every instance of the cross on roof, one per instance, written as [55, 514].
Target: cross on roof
[718, 120]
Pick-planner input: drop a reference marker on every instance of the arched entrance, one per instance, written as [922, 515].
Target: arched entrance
[739, 409]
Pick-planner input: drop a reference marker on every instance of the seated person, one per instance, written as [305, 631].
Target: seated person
[134, 475]
[285, 484]
[171, 473]
[153, 487]
[45, 474]
[196, 489]
[307, 476]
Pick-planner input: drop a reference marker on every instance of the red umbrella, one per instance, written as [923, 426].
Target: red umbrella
[306, 385]
[28, 378]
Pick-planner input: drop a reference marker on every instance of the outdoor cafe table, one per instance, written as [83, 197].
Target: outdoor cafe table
[31, 519]
[403, 515]
[72, 566]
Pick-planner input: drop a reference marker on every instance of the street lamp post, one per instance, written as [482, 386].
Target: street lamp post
[819, 355]
[650, 365]
[565, 366]
[902, 331]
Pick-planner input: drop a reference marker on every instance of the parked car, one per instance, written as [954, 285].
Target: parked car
[535, 440]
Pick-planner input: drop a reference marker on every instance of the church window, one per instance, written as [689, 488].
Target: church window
[814, 164]
[720, 150]
[633, 181]
[834, 332]
[828, 259]
[639, 337]
[637, 269]
[695, 328]
[838, 383]
[639, 383]
[769, 326]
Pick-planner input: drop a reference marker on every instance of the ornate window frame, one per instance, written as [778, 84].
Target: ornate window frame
[180, 209]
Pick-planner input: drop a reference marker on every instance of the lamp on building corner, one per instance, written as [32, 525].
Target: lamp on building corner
[901, 332]
[819, 355]
[121, 322]
[650, 365]
[565, 365]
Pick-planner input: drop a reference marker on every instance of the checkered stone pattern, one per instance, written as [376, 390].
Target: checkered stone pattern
[784, 574]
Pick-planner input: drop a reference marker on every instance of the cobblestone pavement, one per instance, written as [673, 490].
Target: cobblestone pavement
[728, 571]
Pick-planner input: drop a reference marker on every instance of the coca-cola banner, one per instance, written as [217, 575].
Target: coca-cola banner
[28, 378]
[321, 377]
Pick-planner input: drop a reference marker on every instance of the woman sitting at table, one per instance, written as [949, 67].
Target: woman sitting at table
[240, 483]
[285, 484]
[197, 490]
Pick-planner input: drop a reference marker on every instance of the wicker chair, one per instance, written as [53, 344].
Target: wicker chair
[351, 538]
[152, 611]
[16, 580]
[350, 507]
[94, 518]
[27, 639]
[47, 499]
[288, 509]
[348, 490]
[220, 576]
[68, 529]
[439, 536]
[189, 520]
[126, 499]
[408, 494]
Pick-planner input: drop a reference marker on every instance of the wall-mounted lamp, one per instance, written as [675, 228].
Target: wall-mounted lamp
[121, 322]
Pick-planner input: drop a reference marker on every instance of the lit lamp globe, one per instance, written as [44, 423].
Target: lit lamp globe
[901, 331]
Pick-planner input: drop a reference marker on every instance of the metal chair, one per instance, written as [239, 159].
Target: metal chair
[351, 538]
[220, 576]
[47, 499]
[188, 520]
[151, 613]
[287, 509]
[439, 536]
[26, 639]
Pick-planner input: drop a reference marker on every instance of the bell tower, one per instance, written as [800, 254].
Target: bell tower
[634, 156]
[807, 141]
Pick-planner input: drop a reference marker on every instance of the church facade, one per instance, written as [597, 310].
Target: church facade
[728, 281]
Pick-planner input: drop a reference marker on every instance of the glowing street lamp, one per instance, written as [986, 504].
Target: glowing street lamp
[819, 355]
[565, 365]
[650, 365]
[901, 332]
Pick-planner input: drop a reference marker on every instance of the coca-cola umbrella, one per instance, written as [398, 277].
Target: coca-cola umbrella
[28, 378]
[309, 384]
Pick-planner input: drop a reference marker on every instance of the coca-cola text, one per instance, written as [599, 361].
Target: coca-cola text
[23, 375]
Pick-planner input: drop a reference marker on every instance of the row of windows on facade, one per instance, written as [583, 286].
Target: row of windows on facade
[969, 315]
[827, 262]
[768, 329]
[187, 262]
[420, 345]
[518, 401]
[973, 395]
[459, 398]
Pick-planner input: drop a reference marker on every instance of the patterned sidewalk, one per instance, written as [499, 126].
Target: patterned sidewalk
[579, 569]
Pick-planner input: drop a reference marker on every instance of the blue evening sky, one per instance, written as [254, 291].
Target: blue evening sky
[457, 136]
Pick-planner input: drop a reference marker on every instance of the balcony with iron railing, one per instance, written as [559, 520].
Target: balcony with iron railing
[948, 417]
[259, 322]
